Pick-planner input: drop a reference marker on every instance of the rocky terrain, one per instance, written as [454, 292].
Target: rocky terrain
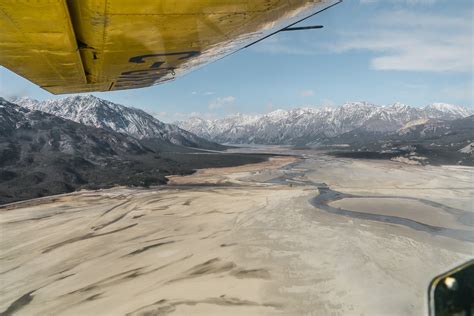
[92, 111]
[43, 154]
[313, 126]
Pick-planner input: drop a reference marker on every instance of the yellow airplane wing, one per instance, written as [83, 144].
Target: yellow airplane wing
[72, 46]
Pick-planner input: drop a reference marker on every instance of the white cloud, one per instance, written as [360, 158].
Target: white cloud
[307, 93]
[221, 102]
[401, 40]
[414, 42]
[207, 93]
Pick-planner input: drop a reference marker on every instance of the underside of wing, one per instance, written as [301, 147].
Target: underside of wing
[69, 46]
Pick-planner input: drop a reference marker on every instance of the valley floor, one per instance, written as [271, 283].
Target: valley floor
[306, 234]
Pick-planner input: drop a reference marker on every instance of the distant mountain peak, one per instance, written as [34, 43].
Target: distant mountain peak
[357, 104]
[447, 111]
[446, 107]
[399, 106]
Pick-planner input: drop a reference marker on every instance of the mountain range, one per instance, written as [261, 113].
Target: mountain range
[92, 111]
[312, 126]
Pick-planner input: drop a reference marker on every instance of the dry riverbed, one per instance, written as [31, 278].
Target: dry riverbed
[248, 240]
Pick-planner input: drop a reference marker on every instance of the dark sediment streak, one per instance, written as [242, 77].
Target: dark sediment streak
[18, 304]
[84, 237]
[150, 247]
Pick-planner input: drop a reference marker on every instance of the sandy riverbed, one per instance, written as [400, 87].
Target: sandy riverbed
[234, 241]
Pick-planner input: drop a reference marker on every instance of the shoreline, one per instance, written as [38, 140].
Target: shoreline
[264, 157]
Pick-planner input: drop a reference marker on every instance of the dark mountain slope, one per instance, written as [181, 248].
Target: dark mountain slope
[42, 154]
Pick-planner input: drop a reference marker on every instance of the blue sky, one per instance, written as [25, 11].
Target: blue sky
[382, 51]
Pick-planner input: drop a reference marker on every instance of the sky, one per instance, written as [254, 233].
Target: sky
[381, 51]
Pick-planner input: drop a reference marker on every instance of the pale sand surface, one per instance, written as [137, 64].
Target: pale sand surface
[403, 208]
[121, 250]
[241, 244]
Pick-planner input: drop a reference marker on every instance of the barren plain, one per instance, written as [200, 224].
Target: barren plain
[301, 234]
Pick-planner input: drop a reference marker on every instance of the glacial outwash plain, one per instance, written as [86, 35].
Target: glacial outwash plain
[303, 233]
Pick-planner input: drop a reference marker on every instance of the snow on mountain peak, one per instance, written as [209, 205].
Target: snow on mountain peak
[447, 111]
[399, 106]
[277, 114]
[300, 125]
[93, 111]
[308, 125]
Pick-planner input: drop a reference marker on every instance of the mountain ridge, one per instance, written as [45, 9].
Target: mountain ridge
[92, 111]
[303, 126]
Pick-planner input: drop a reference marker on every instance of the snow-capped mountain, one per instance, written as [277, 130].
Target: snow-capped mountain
[53, 133]
[446, 111]
[315, 125]
[93, 111]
